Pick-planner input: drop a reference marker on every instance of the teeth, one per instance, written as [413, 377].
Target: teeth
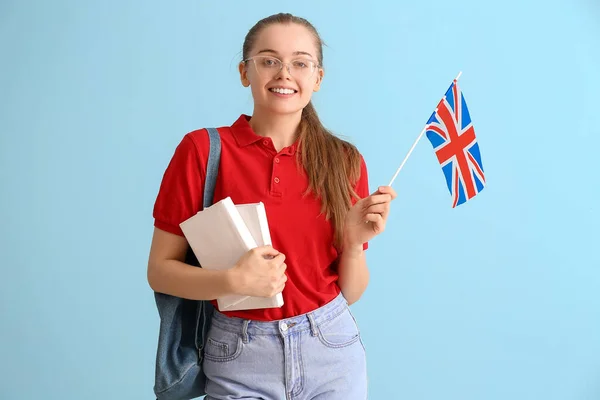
[282, 91]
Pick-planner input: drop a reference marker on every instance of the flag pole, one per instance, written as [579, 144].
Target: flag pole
[415, 143]
[408, 155]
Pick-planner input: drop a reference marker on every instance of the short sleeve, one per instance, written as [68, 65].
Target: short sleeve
[181, 191]
[362, 186]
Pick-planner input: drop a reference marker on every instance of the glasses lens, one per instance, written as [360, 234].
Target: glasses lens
[302, 68]
[266, 67]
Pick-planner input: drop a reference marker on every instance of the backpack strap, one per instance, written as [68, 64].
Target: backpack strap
[205, 308]
[212, 167]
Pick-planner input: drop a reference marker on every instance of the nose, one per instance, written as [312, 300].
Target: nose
[287, 74]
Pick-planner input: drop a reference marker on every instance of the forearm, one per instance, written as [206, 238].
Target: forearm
[353, 273]
[182, 280]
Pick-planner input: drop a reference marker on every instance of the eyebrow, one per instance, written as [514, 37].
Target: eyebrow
[296, 53]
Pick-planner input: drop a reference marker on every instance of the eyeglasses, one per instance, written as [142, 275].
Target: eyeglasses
[268, 67]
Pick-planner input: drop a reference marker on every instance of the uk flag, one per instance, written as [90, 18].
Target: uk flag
[452, 136]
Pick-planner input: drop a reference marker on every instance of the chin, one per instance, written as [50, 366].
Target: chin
[280, 109]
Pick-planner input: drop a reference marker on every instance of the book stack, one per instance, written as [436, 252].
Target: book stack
[220, 235]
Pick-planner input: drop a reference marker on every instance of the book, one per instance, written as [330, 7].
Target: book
[220, 235]
[255, 217]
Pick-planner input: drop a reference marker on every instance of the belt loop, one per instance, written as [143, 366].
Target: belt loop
[245, 331]
[313, 324]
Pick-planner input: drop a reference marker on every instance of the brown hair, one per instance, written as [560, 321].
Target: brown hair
[332, 164]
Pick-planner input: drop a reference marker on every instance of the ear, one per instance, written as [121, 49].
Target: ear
[320, 75]
[243, 74]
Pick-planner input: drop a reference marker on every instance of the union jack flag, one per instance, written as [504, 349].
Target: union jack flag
[452, 136]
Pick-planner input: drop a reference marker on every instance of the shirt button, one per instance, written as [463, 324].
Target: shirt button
[266, 142]
[277, 160]
[284, 326]
[276, 180]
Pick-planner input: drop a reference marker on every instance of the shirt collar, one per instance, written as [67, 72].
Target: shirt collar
[243, 133]
[245, 136]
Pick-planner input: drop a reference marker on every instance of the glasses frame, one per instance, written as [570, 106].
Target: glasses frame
[317, 66]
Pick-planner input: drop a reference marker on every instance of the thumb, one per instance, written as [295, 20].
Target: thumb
[267, 250]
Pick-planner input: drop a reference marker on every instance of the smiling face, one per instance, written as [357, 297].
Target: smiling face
[282, 68]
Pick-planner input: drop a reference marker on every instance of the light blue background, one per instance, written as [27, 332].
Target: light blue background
[497, 299]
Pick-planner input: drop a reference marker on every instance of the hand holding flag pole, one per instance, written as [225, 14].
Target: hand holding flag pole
[415, 143]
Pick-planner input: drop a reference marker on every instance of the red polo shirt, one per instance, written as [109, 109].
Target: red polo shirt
[251, 170]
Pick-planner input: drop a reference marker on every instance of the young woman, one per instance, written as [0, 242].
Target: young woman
[321, 216]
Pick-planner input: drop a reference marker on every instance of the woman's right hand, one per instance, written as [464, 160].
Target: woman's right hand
[260, 272]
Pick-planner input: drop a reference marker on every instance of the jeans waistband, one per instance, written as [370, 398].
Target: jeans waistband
[308, 321]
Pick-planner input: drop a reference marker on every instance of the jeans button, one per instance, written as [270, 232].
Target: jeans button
[284, 326]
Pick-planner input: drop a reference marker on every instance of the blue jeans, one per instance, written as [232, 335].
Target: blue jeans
[318, 355]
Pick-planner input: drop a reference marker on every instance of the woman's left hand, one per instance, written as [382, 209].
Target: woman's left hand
[367, 218]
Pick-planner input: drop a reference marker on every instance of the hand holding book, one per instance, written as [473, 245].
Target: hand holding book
[260, 272]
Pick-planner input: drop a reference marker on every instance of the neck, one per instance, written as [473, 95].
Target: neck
[281, 128]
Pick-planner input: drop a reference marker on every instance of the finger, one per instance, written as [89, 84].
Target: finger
[386, 211]
[374, 218]
[377, 199]
[278, 279]
[377, 208]
[366, 202]
[388, 190]
[383, 209]
[278, 262]
[278, 289]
